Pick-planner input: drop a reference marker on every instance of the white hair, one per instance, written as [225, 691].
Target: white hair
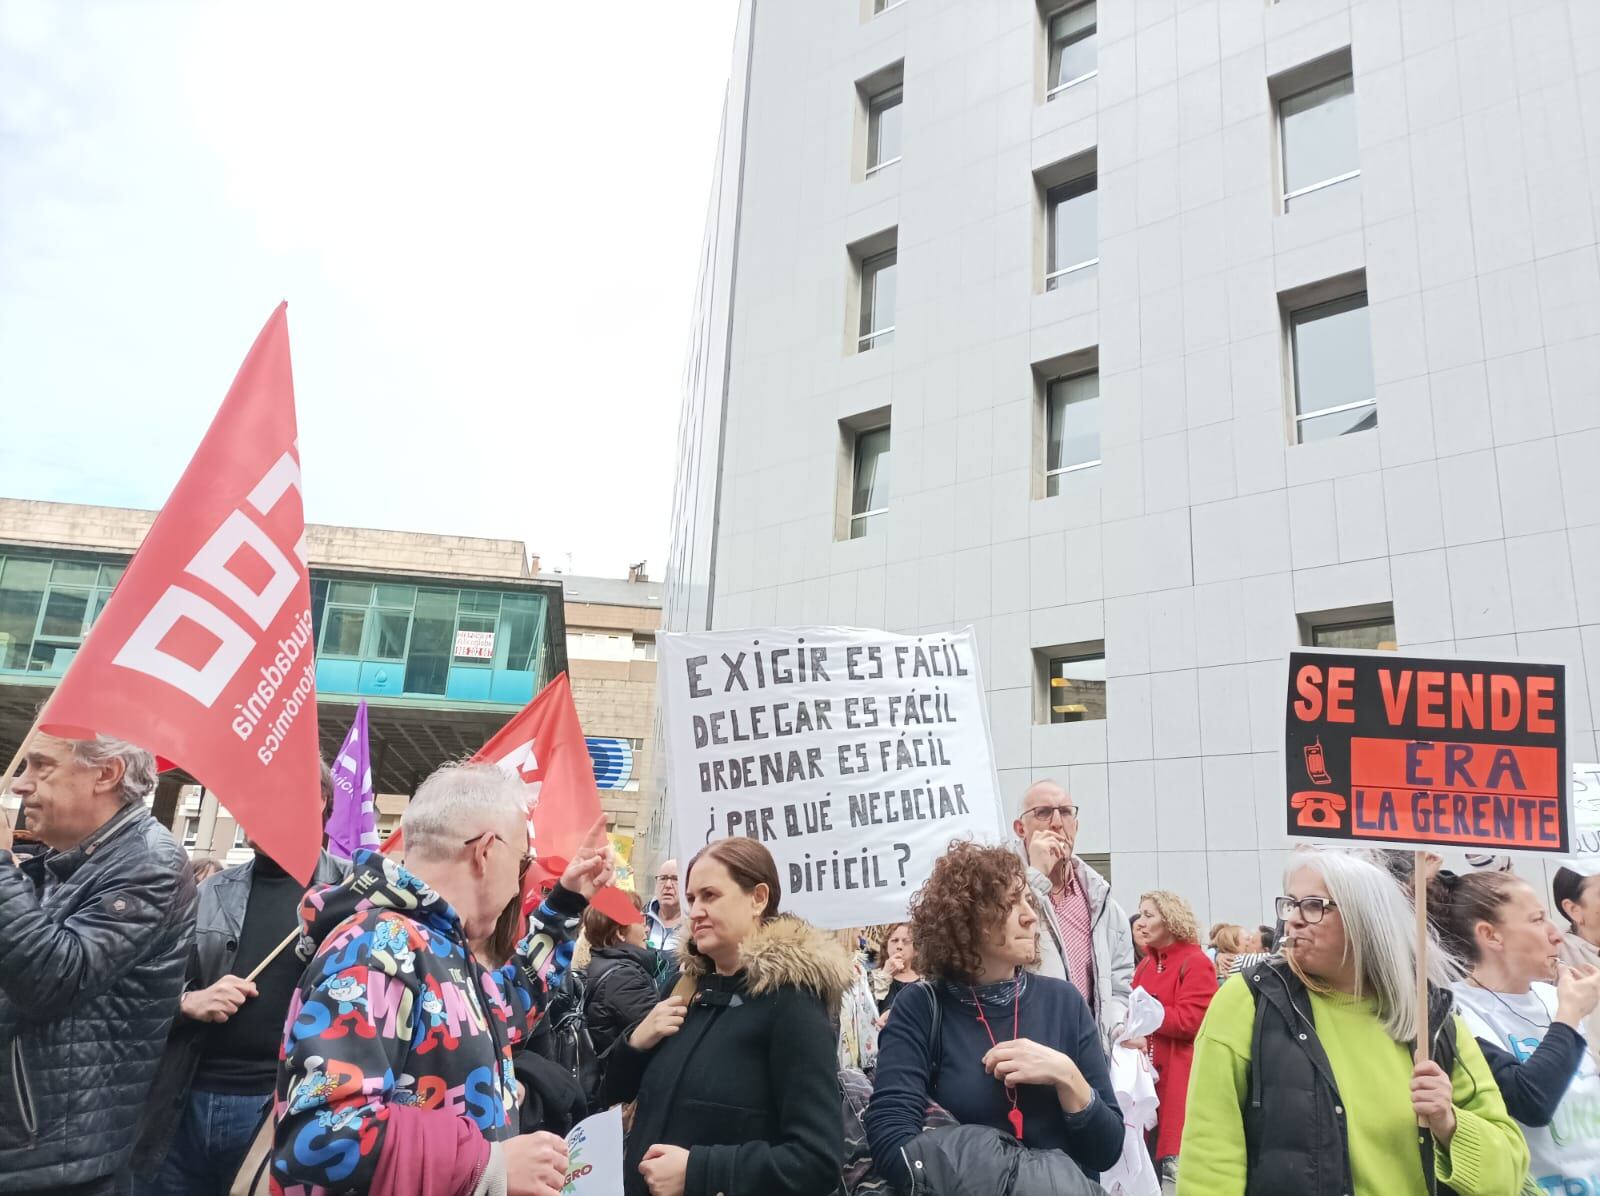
[1024, 804]
[138, 765]
[457, 800]
[1379, 921]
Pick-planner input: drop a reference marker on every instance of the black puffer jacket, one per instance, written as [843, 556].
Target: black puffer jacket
[620, 990]
[978, 1160]
[90, 976]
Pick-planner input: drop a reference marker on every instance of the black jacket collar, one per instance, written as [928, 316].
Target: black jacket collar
[62, 864]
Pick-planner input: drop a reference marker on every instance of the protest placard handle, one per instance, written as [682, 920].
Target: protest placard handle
[1419, 886]
[1419, 889]
[273, 954]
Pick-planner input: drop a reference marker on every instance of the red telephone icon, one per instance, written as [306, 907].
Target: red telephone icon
[1318, 809]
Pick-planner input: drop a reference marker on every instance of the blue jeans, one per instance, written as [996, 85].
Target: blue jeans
[209, 1146]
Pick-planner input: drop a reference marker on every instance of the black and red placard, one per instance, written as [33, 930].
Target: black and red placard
[1390, 750]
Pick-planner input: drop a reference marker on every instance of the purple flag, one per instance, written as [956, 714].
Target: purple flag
[353, 824]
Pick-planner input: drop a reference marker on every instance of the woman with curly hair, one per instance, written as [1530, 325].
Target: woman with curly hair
[1176, 972]
[1013, 1051]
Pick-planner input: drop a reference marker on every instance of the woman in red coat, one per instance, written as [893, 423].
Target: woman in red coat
[1177, 973]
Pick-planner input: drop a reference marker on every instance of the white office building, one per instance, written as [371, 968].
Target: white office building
[1152, 338]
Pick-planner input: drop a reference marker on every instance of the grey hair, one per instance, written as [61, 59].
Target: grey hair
[1379, 939]
[1022, 802]
[138, 765]
[451, 804]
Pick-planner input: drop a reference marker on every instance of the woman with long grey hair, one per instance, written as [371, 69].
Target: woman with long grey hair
[1303, 1075]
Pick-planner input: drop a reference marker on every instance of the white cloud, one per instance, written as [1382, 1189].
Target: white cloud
[486, 220]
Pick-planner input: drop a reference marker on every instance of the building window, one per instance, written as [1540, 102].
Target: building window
[869, 491]
[46, 608]
[191, 831]
[885, 5]
[1333, 389]
[877, 301]
[1072, 427]
[1075, 683]
[883, 129]
[344, 618]
[1072, 47]
[644, 648]
[1372, 634]
[1070, 211]
[1319, 139]
[239, 837]
[426, 632]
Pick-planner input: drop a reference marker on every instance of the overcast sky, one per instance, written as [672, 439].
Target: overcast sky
[486, 219]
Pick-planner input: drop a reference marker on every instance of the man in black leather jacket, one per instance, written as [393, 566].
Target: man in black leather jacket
[94, 934]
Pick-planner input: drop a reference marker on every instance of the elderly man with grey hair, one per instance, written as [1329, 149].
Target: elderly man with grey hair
[94, 936]
[397, 1070]
[1084, 935]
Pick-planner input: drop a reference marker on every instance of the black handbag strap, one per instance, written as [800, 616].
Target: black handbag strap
[935, 1032]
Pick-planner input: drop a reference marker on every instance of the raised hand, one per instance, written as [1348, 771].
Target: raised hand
[1577, 993]
[593, 865]
[1046, 850]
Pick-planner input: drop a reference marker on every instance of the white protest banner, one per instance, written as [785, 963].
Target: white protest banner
[856, 757]
[1586, 811]
[594, 1155]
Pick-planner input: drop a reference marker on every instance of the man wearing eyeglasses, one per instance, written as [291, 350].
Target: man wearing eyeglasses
[663, 915]
[1085, 937]
[397, 1069]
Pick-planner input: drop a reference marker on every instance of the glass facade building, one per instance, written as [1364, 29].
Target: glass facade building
[375, 637]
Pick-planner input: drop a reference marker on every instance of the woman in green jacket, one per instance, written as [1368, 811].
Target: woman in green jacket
[1303, 1078]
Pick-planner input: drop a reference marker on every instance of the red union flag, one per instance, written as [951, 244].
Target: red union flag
[204, 654]
[544, 748]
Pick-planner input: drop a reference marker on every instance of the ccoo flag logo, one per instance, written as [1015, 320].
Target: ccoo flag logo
[203, 655]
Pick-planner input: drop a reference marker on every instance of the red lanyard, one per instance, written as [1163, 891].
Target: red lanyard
[1015, 1116]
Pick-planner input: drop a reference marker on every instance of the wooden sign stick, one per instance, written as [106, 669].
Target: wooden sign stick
[1419, 886]
[1419, 889]
[273, 954]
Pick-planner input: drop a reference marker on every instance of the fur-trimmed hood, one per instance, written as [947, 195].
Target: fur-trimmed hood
[784, 951]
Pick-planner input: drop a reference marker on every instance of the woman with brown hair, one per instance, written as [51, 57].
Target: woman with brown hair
[898, 971]
[735, 1076]
[1177, 973]
[620, 975]
[1012, 1051]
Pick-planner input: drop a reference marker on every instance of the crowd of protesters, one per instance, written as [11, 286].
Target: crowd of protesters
[158, 1040]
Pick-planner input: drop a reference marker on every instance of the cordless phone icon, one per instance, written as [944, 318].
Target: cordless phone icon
[1317, 764]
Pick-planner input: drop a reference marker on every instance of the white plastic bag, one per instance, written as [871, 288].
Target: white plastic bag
[1134, 1081]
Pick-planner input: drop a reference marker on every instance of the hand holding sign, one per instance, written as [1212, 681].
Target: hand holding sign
[218, 1002]
[536, 1164]
[1433, 1100]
